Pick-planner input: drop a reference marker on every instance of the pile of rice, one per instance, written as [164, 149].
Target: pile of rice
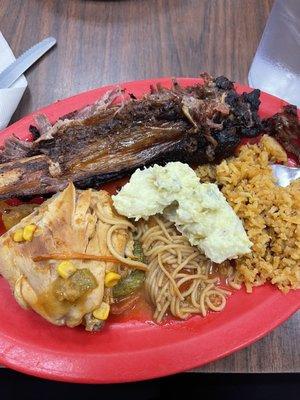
[270, 214]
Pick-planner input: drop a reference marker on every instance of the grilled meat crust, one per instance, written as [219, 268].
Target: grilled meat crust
[285, 127]
[104, 141]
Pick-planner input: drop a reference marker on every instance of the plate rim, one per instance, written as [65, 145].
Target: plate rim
[292, 300]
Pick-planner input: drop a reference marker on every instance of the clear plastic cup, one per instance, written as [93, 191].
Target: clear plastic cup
[276, 65]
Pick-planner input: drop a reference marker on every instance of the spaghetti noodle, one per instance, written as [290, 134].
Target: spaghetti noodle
[179, 279]
[118, 224]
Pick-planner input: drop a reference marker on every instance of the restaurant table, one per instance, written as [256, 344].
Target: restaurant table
[104, 42]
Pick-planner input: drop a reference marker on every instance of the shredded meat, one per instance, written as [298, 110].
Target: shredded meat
[285, 127]
[197, 124]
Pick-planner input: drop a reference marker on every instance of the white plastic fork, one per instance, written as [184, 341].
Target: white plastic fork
[285, 175]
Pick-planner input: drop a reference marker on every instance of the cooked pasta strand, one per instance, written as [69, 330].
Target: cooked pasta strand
[178, 280]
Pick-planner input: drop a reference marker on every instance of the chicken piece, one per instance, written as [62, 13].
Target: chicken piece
[70, 222]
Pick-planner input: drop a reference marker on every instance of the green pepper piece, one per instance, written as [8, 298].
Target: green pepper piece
[129, 284]
[138, 251]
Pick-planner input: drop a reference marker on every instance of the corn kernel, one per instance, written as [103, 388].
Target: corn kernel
[65, 269]
[28, 232]
[111, 279]
[102, 312]
[18, 236]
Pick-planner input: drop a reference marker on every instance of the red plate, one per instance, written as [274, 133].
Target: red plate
[134, 350]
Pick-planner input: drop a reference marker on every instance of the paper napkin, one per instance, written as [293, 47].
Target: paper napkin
[10, 97]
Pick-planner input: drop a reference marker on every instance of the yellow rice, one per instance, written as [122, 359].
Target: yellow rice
[270, 214]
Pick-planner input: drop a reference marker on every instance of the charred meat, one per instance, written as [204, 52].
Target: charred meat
[119, 133]
[285, 127]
